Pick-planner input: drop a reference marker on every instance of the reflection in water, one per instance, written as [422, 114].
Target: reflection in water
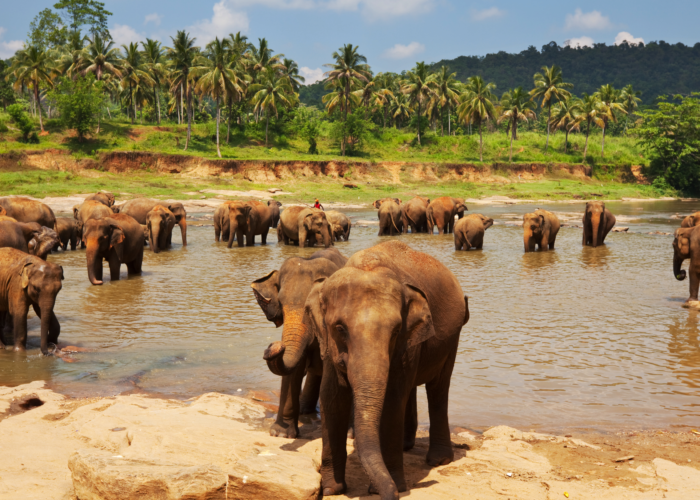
[578, 336]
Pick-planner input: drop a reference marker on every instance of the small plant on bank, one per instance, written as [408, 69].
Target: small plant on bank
[79, 103]
[24, 123]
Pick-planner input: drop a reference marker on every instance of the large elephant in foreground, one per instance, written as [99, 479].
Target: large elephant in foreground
[305, 226]
[540, 229]
[442, 211]
[119, 239]
[139, 208]
[390, 216]
[686, 245]
[282, 296]
[598, 221]
[159, 224]
[26, 210]
[692, 220]
[340, 225]
[387, 322]
[27, 280]
[415, 214]
[469, 231]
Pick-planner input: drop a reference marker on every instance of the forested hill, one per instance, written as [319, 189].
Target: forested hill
[656, 69]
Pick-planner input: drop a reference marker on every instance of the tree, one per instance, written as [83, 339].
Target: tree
[31, 66]
[476, 106]
[134, 75]
[353, 130]
[290, 70]
[79, 103]
[78, 13]
[516, 106]
[383, 94]
[270, 93]
[590, 111]
[401, 107]
[100, 58]
[47, 30]
[418, 86]
[7, 96]
[630, 101]
[154, 65]
[610, 97]
[566, 117]
[22, 120]
[447, 90]
[348, 68]
[182, 55]
[550, 87]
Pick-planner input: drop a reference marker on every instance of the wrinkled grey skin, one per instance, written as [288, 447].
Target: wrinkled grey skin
[340, 225]
[598, 221]
[282, 296]
[305, 226]
[469, 231]
[274, 213]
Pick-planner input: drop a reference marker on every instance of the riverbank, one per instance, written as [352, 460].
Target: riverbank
[216, 446]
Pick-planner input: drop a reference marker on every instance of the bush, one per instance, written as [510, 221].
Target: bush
[354, 131]
[22, 120]
[79, 103]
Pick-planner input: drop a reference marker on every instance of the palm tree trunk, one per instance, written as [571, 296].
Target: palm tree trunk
[36, 98]
[155, 96]
[481, 144]
[218, 120]
[449, 122]
[418, 116]
[602, 151]
[512, 138]
[188, 94]
[182, 103]
[549, 117]
[228, 122]
[566, 141]
[267, 123]
[585, 149]
[384, 125]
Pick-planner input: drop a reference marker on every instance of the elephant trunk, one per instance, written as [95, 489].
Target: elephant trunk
[595, 228]
[369, 384]
[326, 236]
[183, 229]
[93, 261]
[284, 357]
[154, 238]
[46, 307]
[233, 228]
[677, 271]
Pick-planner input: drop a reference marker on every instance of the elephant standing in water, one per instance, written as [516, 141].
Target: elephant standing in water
[305, 226]
[274, 213]
[540, 228]
[103, 197]
[598, 221]
[390, 216]
[68, 232]
[340, 225]
[686, 245]
[282, 295]
[469, 231]
[442, 212]
[25, 210]
[159, 225]
[692, 220]
[387, 322]
[119, 239]
[27, 281]
[415, 215]
[139, 208]
[28, 237]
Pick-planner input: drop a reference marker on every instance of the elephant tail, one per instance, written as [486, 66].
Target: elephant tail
[394, 223]
[431, 220]
[409, 218]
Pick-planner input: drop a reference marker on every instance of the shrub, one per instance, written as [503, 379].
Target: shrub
[79, 103]
[22, 120]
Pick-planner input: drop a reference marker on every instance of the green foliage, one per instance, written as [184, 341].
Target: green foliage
[312, 95]
[355, 130]
[7, 95]
[78, 13]
[22, 120]
[671, 138]
[307, 125]
[47, 30]
[79, 103]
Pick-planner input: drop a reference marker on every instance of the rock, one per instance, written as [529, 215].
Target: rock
[271, 475]
[350, 186]
[624, 459]
[100, 475]
[273, 190]
[620, 229]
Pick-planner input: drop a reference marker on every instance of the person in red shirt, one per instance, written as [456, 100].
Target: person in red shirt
[318, 205]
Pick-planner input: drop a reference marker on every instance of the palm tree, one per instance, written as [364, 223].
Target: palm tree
[516, 106]
[290, 70]
[447, 90]
[476, 106]
[182, 55]
[591, 111]
[381, 98]
[217, 78]
[271, 92]
[100, 57]
[31, 66]
[550, 87]
[133, 74]
[238, 45]
[566, 117]
[418, 86]
[610, 97]
[336, 98]
[154, 64]
[401, 107]
[630, 99]
[349, 68]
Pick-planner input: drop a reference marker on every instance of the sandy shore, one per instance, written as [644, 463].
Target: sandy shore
[216, 446]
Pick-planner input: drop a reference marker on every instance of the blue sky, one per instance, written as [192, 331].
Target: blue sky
[393, 34]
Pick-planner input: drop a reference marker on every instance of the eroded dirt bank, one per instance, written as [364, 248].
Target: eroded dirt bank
[215, 446]
[268, 171]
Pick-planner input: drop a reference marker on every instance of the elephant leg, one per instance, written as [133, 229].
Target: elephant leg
[287, 423]
[440, 451]
[310, 394]
[336, 405]
[240, 236]
[694, 283]
[347, 233]
[263, 236]
[217, 233]
[19, 328]
[250, 238]
[585, 239]
[114, 267]
[410, 423]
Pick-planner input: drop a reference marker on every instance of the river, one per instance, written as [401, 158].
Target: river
[584, 338]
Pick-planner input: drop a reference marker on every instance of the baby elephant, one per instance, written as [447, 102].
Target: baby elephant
[469, 231]
[540, 229]
[340, 225]
[68, 231]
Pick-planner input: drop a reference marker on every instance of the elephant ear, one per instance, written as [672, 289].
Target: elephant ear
[314, 309]
[116, 241]
[266, 291]
[419, 321]
[542, 221]
[377, 204]
[24, 273]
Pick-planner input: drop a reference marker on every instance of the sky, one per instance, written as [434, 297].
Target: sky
[392, 34]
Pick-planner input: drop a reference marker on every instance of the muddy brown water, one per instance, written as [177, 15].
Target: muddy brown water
[575, 338]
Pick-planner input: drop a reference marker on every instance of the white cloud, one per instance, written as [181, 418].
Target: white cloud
[624, 36]
[482, 15]
[124, 35]
[224, 21]
[8, 49]
[400, 51]
[593, 20]
[577, 43]
[154, 18]
[372, 10]
[311, 75]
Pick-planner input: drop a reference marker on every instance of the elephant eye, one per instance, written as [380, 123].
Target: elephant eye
[341, 330]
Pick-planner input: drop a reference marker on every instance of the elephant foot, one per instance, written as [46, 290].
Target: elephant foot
[331, 488]
[691, 304]
[409, 443]
[285, 430]
[439, 456]
[401, 486]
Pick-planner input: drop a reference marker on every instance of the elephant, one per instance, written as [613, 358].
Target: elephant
[3, 211]
[686, 245]
[28, 237]
[258, 223]
[340, 223]
[27, 281]
[45, 241]
[304, 225]
[282, 296]
[118, 239]
[5, 217]
[692, 220]
[390, 216]
[274, 213]
[441, 213]
[91, 209]
[139, 207]
[469, 231]
[414, 214]
[540, 228]
[597, 223]
[103, 197]
[387, 322]
[68, 232]
[222, 219]
[27, 210]
[159, 222]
